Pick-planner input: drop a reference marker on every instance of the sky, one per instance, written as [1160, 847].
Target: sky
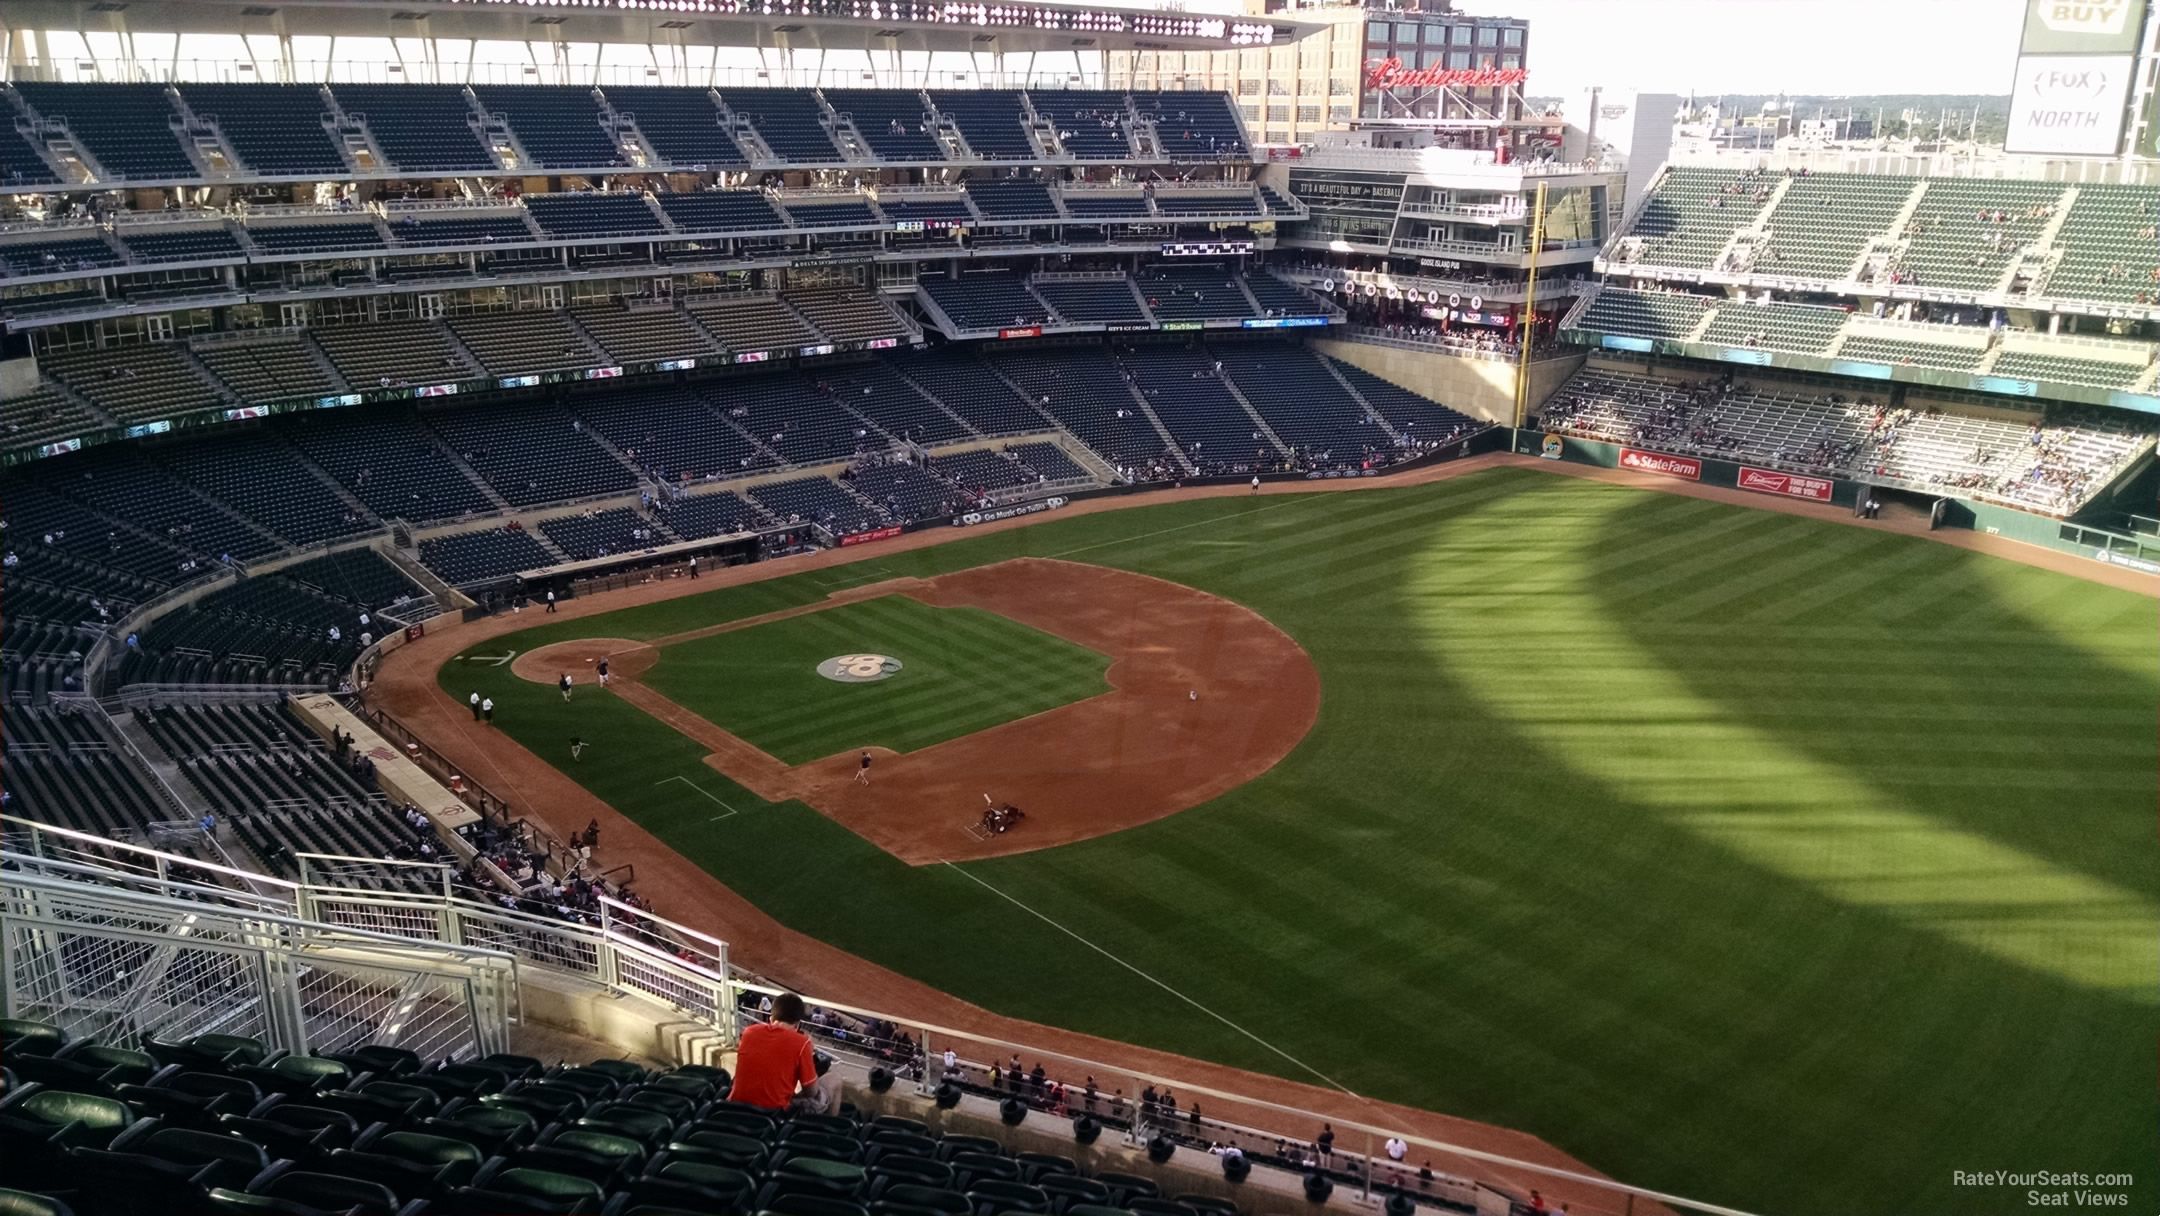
[1762, 46]
[1815, 47]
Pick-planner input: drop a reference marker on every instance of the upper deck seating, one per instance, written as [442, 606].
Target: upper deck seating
[187, 245]
[788, 120]
[986, 299]
[354, 235]
[1081, 300]
[387, 353]
[78, 253]
[421, 128]
[744, 322]
[594, 216]
[1801, 328]
[460, 230]
[278, 369]
[275, 129]
[1691, 214]
[1645, 314]
[848, 314]
[720, 211]
[136, 383]
[894, 122]
[1194, 125]
[1092, 124]
[682, 126]
[839, 211]
[559, 126]
[20, 164]
[990, 120]
[1012, 198]
[127, 128]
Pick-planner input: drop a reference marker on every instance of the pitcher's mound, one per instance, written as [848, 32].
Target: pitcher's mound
[580, 656]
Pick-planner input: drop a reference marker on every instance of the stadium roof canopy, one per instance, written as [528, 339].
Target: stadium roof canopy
[865, 25]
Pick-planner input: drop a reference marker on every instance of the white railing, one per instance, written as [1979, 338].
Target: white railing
[242, 337]
[1462, 350]
[50, 225]
[1490, 213]
[136, 960]
[633, 952]
[144, 219]
[401, 206]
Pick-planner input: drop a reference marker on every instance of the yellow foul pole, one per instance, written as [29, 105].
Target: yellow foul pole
[1526, 325]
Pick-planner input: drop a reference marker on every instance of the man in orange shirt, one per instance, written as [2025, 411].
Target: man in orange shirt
[774, 1057]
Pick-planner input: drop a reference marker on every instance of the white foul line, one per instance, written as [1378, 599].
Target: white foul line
[1152, 980]
[702, 790]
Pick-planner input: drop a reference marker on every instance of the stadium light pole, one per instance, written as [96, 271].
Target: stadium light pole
[1527, 331]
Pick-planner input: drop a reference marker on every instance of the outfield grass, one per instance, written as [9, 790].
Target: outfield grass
[963, 670]
[1780, 863]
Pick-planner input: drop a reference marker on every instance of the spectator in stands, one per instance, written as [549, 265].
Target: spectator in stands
[774, 1057]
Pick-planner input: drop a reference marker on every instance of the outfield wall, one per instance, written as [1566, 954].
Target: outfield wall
[1481, 388]
[1832, 491]
[2125, 550]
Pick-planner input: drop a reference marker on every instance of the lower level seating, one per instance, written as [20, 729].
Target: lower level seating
[268, 629]
[276, 786]
[591, 534]
[1047, 459]
[817, 500]
[703, 516]
[62, 769]
[465, 558]
[902, 490]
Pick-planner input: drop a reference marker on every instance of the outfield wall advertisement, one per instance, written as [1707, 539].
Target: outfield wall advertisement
[1658, 462]
[1793, 485]
[1706, 470]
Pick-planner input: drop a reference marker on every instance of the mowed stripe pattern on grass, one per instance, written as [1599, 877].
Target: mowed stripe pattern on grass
[963, 670]
[1730, 851]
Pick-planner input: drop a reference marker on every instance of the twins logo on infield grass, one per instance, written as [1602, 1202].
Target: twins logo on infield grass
[859, 668]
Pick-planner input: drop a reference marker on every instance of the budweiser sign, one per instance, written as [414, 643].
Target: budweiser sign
[1767, 481]
[1659, 462]
[1390, 73]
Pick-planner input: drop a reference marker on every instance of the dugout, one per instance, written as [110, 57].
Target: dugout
[617, 570]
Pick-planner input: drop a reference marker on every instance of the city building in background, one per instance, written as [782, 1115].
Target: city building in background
[1418, 62]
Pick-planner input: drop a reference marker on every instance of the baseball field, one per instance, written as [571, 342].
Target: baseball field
[1768, 860]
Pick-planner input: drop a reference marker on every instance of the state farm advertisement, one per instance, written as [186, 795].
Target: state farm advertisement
[1792, 485]
[1659, 462]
